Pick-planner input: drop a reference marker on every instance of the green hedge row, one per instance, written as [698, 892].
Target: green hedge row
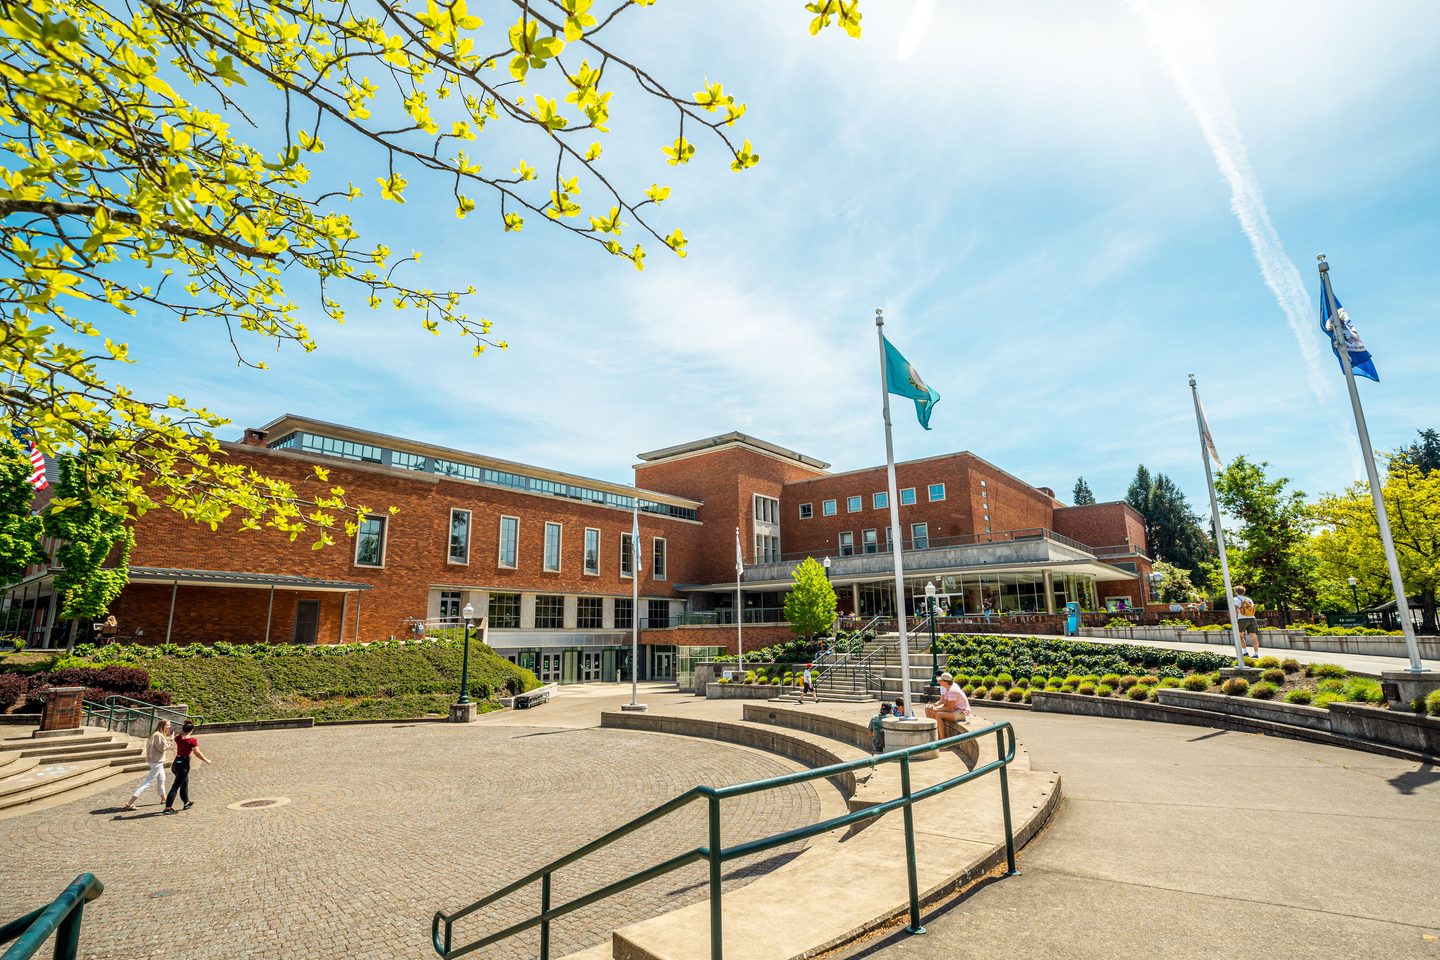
[1049, 656]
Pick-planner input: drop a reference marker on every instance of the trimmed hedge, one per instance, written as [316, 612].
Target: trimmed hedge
[978, 655]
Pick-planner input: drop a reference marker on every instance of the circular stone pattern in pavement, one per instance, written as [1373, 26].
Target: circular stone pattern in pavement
[260, 803]
[385, 825]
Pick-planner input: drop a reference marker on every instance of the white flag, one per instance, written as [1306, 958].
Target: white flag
[1205, 435]
[739, 557]
[635, 543]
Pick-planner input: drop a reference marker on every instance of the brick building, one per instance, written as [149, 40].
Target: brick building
[546, 557]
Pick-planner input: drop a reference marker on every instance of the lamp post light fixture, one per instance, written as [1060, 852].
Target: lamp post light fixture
[469, 614]
[1355, 594]
[930, 604]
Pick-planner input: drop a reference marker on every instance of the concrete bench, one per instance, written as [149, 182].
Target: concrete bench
[532, 698]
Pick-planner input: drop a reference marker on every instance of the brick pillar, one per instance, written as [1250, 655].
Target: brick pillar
[62, 708]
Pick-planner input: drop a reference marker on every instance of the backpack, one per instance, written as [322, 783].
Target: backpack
[1247, 607]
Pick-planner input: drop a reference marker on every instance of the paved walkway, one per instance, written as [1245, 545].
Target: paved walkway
[385, 824]
[1180, 842]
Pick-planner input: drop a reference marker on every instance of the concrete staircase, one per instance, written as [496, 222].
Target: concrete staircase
[60, 768]
[879, 674]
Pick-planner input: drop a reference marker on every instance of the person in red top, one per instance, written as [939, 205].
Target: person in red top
[185, 746]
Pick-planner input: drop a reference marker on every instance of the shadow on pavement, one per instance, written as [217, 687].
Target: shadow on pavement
[1412, 780]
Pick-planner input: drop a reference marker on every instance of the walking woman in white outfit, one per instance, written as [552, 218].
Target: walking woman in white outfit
[155, 749]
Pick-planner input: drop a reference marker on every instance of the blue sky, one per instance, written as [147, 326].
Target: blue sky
[1049, 200]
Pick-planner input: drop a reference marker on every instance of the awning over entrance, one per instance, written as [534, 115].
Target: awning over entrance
[227, 578]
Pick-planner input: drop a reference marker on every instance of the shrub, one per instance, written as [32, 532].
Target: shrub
[1128, 681]
[1300, 696]
[1022, 683]
[1268, 663]
[1290, 665]
[1364, 690]
[1235, 687]
[1067, 688]
[1086, 689]
[775, 682]
[1054, 685]
[1137, 691]
[1263, 691]
[12, 688]
[1074, 680]
[1325, 699]
[1326, 670]
[997, 693]
[1331, 685]
[1273, 675]
[1111, 679]
[1104, 690]
[1150, 680]
[1432, 704]
[1028, 694]
[1168, 683]
[1196, 681]
[969, 689]
[1005, 680]
[1039, 680]
[1015, 694]
[987, 681]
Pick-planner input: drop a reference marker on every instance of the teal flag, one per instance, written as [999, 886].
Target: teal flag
[903, 380]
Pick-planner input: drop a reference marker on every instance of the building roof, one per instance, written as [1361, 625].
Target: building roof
[230, 578]
[733, 438]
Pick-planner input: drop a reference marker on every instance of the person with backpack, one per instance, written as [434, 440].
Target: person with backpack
[1245, 618]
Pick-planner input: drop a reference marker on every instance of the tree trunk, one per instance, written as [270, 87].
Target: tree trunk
[1427, 610]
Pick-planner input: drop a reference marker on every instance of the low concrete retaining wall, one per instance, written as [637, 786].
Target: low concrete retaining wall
[248, 726]
[846, 731]
[772, 741]
[1315, 718]
[710, 671]
[1412, 731]
[743, 691]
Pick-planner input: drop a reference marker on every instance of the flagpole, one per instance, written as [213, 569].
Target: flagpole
[894, 518]
[1215, 522]
[1367, 453]
[635, 606]
[739, 609]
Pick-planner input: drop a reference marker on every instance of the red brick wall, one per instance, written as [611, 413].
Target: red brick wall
[417, 546]
[757, 636]
[233, 615]
[1102, 524]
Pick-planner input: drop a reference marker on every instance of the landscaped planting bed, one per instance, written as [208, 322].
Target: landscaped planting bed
[1005, 668]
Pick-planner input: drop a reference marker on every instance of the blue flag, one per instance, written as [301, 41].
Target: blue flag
[903, 380]
[1360, 360]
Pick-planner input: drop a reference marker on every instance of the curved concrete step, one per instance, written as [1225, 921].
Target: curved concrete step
[13, 763]
[47, 775]
[92, 781]
[27, 742]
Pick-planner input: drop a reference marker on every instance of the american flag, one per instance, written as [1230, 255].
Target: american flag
[37, 461]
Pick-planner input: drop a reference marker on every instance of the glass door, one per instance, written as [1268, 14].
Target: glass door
[589, 665]
[549, 667]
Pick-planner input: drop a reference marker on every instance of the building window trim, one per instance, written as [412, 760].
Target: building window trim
[907, 501]
[500, 546]
[766, 509]
[881, 500]
[503, 610]
[384, 542]
[870, 541]
[450, 556]
[807, 511]
[553, 620]
[931, 492]
[588, 569]
[659, 558]
[854, 504]
[920, 536]
[624, 573]
[829, 508]
[589, 613]
[845, 541]
[559, 546]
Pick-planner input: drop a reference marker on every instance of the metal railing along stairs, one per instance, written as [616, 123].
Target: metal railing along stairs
[442, 927]
[61, 917]
[120, 711]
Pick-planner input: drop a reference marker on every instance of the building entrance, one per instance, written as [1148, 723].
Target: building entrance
[663, 664]
[549, 668]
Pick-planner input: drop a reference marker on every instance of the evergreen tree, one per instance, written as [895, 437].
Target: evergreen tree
[1082, 496]
[810, 605]
[1271, 551]
[1423, 456]
[1173, 531]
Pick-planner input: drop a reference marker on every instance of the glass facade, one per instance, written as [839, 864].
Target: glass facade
[509, 541]
[589, 613]
[459, 536]
[549, 612]
[972, 594]
[505, 610]
[624, 613]
[592, 550]
[370, 542]
[552, 547]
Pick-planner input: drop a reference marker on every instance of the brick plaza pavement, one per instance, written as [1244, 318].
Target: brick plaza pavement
[386, 824]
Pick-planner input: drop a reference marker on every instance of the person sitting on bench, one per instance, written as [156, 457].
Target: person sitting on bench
[952, 710]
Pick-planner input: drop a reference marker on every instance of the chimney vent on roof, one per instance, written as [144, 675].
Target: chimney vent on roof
[1047, 491]
[254, 437]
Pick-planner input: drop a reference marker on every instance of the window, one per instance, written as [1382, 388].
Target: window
[937, 492]
[370, 543]
[509, 541]
[624, 613]
[627, 557]
[881, 500]
[807, 510]
[505, 610]
[767, 549]
[657, 613]
[408, 461]
[549, 612]
[827, 507]
[459, 536]
[589, 613]
[907, 497]
[985, 494]
[767, 509]
[847, 544]
[854, 504]
[920, 535]
[592, 551]
[868, 541]
[552, 547]
[657, 558]
[449, 604]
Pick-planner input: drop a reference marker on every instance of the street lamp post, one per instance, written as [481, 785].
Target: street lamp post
[1355, 594]
[934, 653]
[462, 710]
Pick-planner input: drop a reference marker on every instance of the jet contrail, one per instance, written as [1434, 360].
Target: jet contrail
[1194, 79]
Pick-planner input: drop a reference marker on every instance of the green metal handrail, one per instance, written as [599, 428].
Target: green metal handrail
[716, 855]
[61, 917]
[113, 712]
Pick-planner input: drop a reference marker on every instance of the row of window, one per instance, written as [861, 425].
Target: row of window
[870, 540]
[370, 546]
[367, 453]
[879, 501]
[504, 611]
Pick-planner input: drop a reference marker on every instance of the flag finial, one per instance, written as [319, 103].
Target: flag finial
[1192, 379]
[879, 317]
[1324, 267]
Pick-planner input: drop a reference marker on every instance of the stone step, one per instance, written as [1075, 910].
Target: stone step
[43, 774]
[100, 775]
[28, 742]
[13, 763]
[84, 751]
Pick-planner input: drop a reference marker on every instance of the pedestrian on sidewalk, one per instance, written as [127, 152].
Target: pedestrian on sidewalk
[808, 684]
[1245, 616]
[186, 745]
[877, 728]
[952, 709]
[155, 749]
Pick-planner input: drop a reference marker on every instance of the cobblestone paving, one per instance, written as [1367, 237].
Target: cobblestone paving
[387, 824]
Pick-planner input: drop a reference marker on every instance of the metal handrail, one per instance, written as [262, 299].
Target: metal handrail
[112, 712]
[926, 543]
[713, 851]
[62, 917]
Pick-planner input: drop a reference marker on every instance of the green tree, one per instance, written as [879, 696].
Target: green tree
[1424, 456]
[1348, 541]
[20, 528]
[1172, 528]
[810, 605]
[171, 158]
[95, 544]
[1269, 553]
[1082, 495]
[1177, 584]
